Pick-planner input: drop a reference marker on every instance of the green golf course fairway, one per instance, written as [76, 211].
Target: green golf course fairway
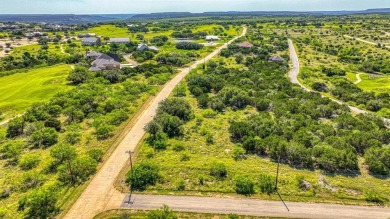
[19, 91]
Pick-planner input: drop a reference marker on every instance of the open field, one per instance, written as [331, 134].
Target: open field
[375, 83]
[20, 91]
[107, 31]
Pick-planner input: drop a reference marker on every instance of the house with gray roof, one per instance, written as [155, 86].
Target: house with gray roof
[104, 62]
[143, 47]
[276, 59]
[120, 40]
[90, 41]
[93, 55]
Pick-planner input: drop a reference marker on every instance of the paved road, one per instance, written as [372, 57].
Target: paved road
[100, 194]
[364, 41]
[256, 207]
[293, 75]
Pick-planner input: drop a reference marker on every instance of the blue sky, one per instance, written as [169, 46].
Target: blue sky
[148, 6]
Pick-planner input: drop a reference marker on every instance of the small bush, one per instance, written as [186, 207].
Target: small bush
[29, 161]
[179, 146]
[181, 185]
[73, 138]
[218, 170]
[374, 196]
[162, 213]
[96, 154]
[184, 157]
[244, 185]
[5, 193]
[238, 153]
[266, 184]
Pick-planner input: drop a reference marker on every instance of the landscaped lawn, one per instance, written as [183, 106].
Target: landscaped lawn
[20, 91]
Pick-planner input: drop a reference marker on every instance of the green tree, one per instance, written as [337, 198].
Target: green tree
[15, 127]
[142, 175]
[79, 75]
[40, 204]
[45, 137]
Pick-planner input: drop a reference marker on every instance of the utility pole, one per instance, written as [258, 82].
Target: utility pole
[131, 169]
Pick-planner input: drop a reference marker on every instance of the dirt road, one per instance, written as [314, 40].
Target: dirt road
[256, 207]
[359, 79]
[293, 75]
[364, 41]
[100, 194]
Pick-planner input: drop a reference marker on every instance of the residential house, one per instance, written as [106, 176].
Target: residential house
[245, 44]
[90, 41]
[276, 59]
[93, 55]
[143, 47]
[212, 38]
[104, 62]
[120, 40]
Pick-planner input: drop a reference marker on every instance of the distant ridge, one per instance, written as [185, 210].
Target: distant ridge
[256, 13]
[96, 18]
[63, 18]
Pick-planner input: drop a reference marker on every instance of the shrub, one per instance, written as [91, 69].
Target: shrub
[179, 146]
[218, 170]
[374, 196]
[5, 193]
[181, 185]
[104, 131]
[162, 213]
[244, 185]
[184, 157]
[45, 137]
[238, 153]
[96, 154]
[29, 161]
[72, 138]
[266, 184]
[142, 175]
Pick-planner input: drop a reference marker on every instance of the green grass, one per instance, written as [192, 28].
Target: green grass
[107, 31]
[34, 48]
[138, 214]
[375, 83]
[350, 188]
[20, 91]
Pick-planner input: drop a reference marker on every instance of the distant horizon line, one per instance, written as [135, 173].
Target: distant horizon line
[343, 10]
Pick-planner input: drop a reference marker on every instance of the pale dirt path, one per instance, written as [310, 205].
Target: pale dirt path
[100, 194]
[364, 41]
[293, 75]
[359, 79]
[255, 207]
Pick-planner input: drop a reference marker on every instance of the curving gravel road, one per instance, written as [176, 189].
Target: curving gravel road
[293, 75]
